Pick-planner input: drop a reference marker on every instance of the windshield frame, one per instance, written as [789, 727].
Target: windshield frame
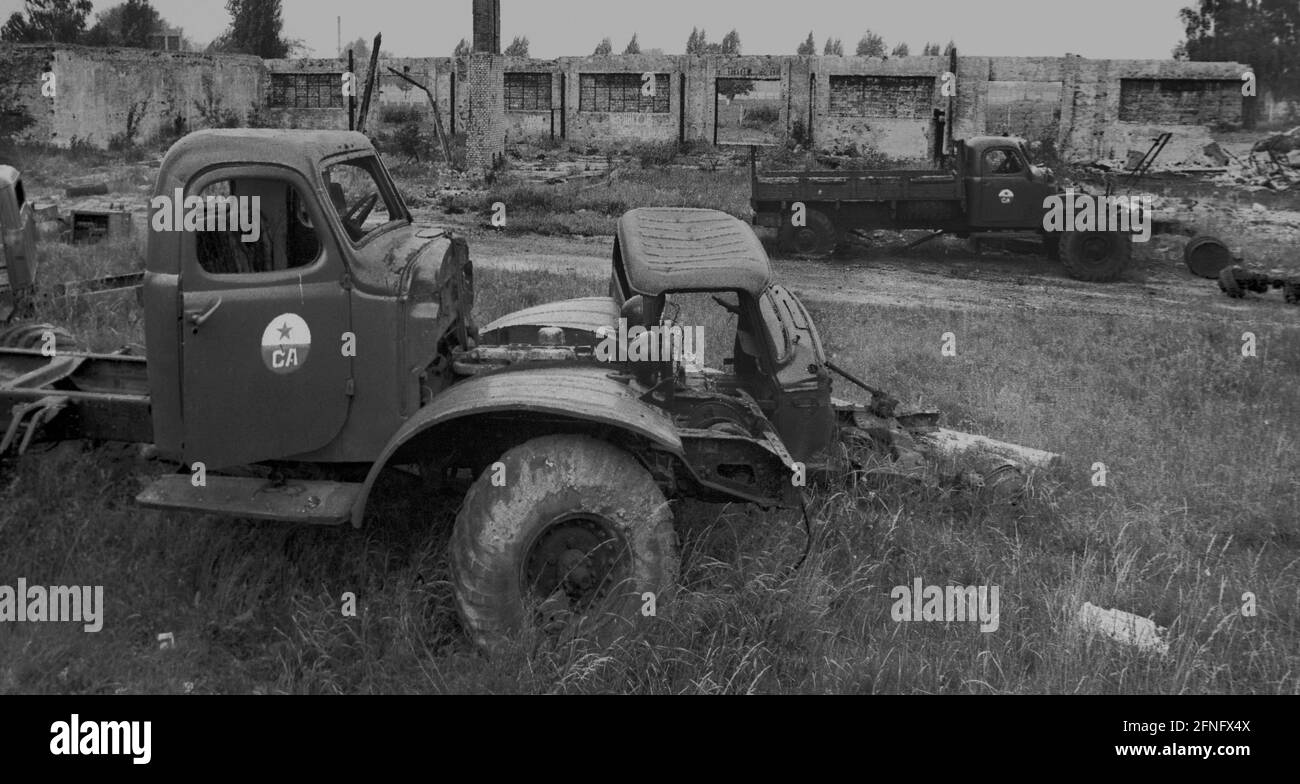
[387, 191]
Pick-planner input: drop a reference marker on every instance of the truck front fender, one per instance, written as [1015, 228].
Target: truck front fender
[581, 395]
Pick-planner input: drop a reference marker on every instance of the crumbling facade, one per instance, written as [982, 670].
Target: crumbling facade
[67, 95]
[899, 108]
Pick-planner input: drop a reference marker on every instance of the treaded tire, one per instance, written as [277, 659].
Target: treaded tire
[500, 532]
[1096, 256]
[817, 238]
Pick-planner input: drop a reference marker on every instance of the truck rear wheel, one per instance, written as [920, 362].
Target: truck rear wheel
[817, 237]
[1097, 256]
[569, 544]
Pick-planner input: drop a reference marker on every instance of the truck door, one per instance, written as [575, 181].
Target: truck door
[1004, 190]
[264, 311]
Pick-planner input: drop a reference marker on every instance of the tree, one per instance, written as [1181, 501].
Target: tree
[125, 24]
[871, 45]
[809, 46]
[518, 47]
[950, 48]
[255, 28]
[901, 50]
[930, 50]
[834, 46]
[731, 43]
[1263, 33]
[60, 21]
[462, 49]
[633, 46]
[360, 50]
[604, 48]
[695, 44]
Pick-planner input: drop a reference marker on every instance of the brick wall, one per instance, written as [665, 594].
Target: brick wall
[485, 126]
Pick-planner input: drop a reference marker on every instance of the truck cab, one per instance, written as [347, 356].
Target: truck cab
[1003, 188]
[728, 290]
[293, 310]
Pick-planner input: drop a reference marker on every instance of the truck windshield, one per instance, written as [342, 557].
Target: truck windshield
[359, 191]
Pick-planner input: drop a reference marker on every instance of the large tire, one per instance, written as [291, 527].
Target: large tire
[817, 237]
[576, 535]
[1206, 256]
[1096, 256]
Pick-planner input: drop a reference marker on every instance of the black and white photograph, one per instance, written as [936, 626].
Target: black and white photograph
[484, 347]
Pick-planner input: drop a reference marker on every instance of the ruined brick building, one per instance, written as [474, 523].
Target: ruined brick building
[901, 108]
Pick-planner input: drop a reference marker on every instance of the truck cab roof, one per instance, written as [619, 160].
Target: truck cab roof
[300, 150]
[663, 249]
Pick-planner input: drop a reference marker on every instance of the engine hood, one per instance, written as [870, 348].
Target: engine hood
[389, 263]
[579, 318]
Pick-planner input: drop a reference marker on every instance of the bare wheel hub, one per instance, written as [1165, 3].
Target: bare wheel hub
[575, 562]
[1096, 248]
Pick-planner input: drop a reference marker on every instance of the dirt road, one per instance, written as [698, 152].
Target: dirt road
[1157, 287]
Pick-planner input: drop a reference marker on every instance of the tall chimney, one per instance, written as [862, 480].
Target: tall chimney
[487, 26]
[485, 116]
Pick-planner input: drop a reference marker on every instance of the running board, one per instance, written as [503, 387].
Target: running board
[315, 503]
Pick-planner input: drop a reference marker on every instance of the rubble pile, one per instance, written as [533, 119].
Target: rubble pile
[1273, 163]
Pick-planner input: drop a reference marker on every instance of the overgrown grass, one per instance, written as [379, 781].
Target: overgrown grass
[1198, 509]
[104, 321]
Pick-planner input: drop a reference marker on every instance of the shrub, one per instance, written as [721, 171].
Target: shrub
[400, 114]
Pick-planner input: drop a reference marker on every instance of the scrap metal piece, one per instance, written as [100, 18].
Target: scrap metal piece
[1123, 627]
[42, 411]
[1236, 280]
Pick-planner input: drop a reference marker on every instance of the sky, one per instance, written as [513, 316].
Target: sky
[1103, 29]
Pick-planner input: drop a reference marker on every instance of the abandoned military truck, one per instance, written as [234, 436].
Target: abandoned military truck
[991, 190]
[290, 366]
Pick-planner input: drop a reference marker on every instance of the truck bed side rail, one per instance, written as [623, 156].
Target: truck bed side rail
[901, 185]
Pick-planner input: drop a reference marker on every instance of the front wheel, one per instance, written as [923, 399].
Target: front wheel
[565, 535]
[1096, 256]
[817, 237]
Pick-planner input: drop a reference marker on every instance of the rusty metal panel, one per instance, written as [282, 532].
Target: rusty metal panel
[678, 249]
[585, 393]
[319, 503]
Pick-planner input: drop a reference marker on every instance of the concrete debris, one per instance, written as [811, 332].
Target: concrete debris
[1122, 627]
[1216, 154]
